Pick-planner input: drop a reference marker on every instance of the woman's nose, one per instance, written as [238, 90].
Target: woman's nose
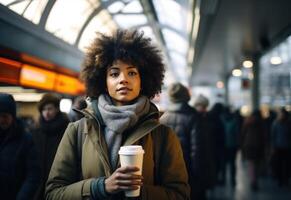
[123, 78]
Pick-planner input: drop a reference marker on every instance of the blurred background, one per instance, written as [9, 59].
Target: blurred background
[234, 52]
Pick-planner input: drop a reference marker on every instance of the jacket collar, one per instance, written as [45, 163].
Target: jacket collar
[93, 128]
[143, 127]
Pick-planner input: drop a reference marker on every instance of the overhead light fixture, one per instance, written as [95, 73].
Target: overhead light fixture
[27, 97]
[236, 72]
[276, 60]
[248, 64]
[220, 84]
[65, 105]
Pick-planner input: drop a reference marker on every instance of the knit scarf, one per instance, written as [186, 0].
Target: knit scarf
[119, 118]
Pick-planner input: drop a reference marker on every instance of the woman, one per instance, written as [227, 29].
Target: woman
[50, 128]
[121, 73]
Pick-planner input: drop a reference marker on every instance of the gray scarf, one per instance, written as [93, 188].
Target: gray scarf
[119, 118]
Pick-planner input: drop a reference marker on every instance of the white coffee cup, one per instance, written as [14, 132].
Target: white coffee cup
[132, 155]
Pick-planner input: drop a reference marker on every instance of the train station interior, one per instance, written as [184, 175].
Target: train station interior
[235, 52]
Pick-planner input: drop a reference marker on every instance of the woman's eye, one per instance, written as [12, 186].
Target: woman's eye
[132, 73]
[113, 74]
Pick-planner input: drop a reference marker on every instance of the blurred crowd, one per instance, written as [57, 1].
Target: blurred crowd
[213, 138]
[210, 139]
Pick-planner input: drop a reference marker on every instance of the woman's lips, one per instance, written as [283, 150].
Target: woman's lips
[124, 89]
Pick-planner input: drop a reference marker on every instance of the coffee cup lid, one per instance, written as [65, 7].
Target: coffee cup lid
[131, 150]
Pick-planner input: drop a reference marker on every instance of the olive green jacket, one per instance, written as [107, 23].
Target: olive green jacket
[164, 171]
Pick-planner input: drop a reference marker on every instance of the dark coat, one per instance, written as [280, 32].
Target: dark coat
[281, 134]
[253, 139]
[204, 155]
[182, 119]
[195, 132]
[47, 138]
[19, 169]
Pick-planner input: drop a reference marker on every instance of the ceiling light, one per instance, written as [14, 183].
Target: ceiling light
[276, 60]
[236, 72]
[248, 64]
[65, 105]
[27, 97]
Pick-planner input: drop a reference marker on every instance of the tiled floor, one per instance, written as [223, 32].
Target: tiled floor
[268, 188]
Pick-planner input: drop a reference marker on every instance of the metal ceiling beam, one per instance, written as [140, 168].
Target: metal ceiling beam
[88, 20]
[45, 13]
[151, 14]
[103, 5]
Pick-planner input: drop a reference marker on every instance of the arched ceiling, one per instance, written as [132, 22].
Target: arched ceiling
[167, 22]
[202, 40]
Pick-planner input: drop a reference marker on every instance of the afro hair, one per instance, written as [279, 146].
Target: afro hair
[127, 46]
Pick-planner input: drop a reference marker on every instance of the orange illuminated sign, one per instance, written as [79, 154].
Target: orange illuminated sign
[9, 71]
[67, 84]
[36, 77]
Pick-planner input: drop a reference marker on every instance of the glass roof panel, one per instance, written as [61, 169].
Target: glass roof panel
[170, 13]
[179, 65]
[175, 41]
[29, 9]
[6, 2]
[133, 7]
[115, 7]
[66, 25]
[128, 21]
[100, 23]
[34, 11]
[148, 31]
[16, 6]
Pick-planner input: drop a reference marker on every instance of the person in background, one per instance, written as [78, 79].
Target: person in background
[204, 164]
[252, 142]
[201, 103]
[48, 134]
[183, 119]
[231, 132]
[215, 119]
[79, 104]
[19, 169]
[122, 73]
[281, 148]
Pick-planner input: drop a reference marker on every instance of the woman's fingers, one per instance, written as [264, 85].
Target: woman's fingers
[122, 176]
[128, 169]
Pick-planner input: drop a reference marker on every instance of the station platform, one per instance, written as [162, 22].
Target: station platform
[268, 188]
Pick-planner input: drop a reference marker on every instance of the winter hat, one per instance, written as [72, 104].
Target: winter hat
[178, 93]
[7, 104]
[201, 100]
[47, 99]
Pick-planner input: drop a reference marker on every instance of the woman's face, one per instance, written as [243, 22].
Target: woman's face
[123, 83]
[49, 112]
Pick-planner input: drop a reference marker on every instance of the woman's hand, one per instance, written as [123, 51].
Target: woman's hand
[123, 179]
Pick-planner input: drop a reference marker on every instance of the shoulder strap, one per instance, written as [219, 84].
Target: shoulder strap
[157, 147]
[80, 125]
